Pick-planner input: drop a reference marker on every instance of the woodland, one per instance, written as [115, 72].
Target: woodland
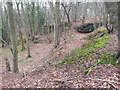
[60, 44]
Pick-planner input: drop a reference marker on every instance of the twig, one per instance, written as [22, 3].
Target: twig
[112, 85]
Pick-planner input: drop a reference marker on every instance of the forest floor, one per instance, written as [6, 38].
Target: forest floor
[42, 71]
[42, 51]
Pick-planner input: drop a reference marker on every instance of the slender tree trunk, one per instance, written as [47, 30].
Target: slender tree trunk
[95, 16]
[67, 14]
[7, 26]
[13, 36]
[75, 19]
[19, 26]
[118, 53]
[38, 16]
[33, 20]
[30, 24]
[3, 34]
[4, 21]
[26, 30]
[84, 13]
[29, 14]
[57, 23]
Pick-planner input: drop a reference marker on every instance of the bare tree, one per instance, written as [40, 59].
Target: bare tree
[84, 12]
[67, 9]
[57, 23]
[19, 26]
[33, 20]
[13, 37]
[26, 30]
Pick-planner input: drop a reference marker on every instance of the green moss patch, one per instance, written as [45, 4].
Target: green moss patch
[93, 35]
[86, 52]
[107, 58]
[102, 31]
[6, 52]
[80, 56]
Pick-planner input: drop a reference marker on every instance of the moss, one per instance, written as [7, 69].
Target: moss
[102, 31]
[6, 52]
[29, 56]
[21, 60]
[86, 52]
[79, 56]
[107, 58]
[91, 37]
[27, 61]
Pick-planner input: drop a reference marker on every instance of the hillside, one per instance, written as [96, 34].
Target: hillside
[73, 65]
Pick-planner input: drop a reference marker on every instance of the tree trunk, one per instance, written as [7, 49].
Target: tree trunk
[4, 22]
[19, 27]
[75, 19]
[26, 30]
[67, 13]
[57, 23]
[38, 20]
[84, 13]
[95, 16]
[118, 53]
[13, 37]
[30, 17]
[33, 20]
